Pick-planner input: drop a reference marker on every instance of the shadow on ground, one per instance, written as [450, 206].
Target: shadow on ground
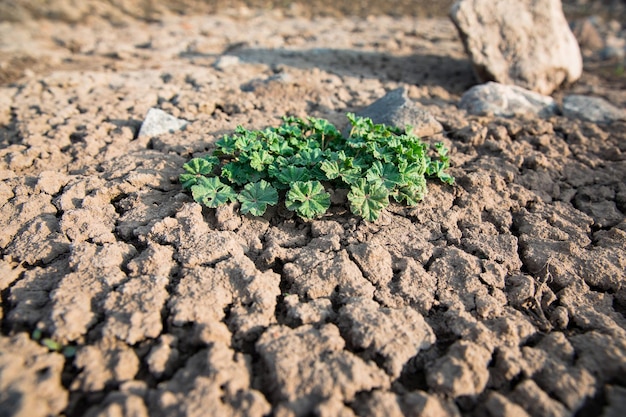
[454, 75]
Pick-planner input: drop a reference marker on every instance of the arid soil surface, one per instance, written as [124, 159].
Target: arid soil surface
[503, 295]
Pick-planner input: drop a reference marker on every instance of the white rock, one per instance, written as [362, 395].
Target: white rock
[591, 109]
[522, 42]
[506, 101]
[158, 122]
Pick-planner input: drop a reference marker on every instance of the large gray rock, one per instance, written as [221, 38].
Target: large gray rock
[591, 109]
[506, 101]
[522, 42]
[397, 109]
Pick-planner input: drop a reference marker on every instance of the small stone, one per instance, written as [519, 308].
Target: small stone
[526, 43]
[591, 109]
[397, 109]
[158, 122]
[226, 61]
[506, 101]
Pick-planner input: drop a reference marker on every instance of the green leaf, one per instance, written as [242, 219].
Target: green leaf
[240, 173]
[308, 157]
[187, 180]
[247, 141]
[383, 153]
[51, 344]
[226, 145]
[368, 199]
[212, 193]
[343, 170]
[281, 147]
[308, 199]
[387, 174]
[411, 172]
[415, 150]
[256, 196]
[411, 194]
[69, 351]
[259, 160]
[196, 168]
[446, 178]
[291, 174]
[442, 151]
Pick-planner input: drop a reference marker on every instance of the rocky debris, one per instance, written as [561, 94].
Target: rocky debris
[415, 403]
[318, 311]
[592, 109]
[506, 101]
[204, 294]
[158, 122]
[391, 336]
[616, 401]
[128, 401]
[375, 262]
[40, 240]
[215, 380]
[315, 273]
[77, 302]
[26, 207]
[525, 43]
[498, 405]
[163, 357]
[30, 378]
[549, 364]
[462, 371]
[537, 402]
[316, 368]
[134, 308]
[397, 109]
[105, 363]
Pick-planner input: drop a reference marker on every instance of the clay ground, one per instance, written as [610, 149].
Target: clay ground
[502, 295]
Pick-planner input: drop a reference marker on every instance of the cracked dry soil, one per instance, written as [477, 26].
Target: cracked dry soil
[502, 295]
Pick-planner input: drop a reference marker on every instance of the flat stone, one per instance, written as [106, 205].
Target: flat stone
[591, 109]
[526, 43]
[507, 101]
[158, 122]
[397, 109]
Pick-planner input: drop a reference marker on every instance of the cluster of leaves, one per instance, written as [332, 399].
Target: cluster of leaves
[298, 159]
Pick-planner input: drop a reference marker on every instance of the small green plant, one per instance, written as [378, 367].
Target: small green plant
[52, 345]
[301, 159]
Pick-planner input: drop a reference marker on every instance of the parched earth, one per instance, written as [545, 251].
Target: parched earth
[503, 295]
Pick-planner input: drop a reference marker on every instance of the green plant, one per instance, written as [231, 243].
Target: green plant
[301, 158]
[53, 345]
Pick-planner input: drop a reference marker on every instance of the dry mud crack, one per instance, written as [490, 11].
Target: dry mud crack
[503, 295]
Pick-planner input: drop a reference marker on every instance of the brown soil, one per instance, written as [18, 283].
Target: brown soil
[499, 295]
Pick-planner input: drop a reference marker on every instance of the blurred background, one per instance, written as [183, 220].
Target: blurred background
[121, 10]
